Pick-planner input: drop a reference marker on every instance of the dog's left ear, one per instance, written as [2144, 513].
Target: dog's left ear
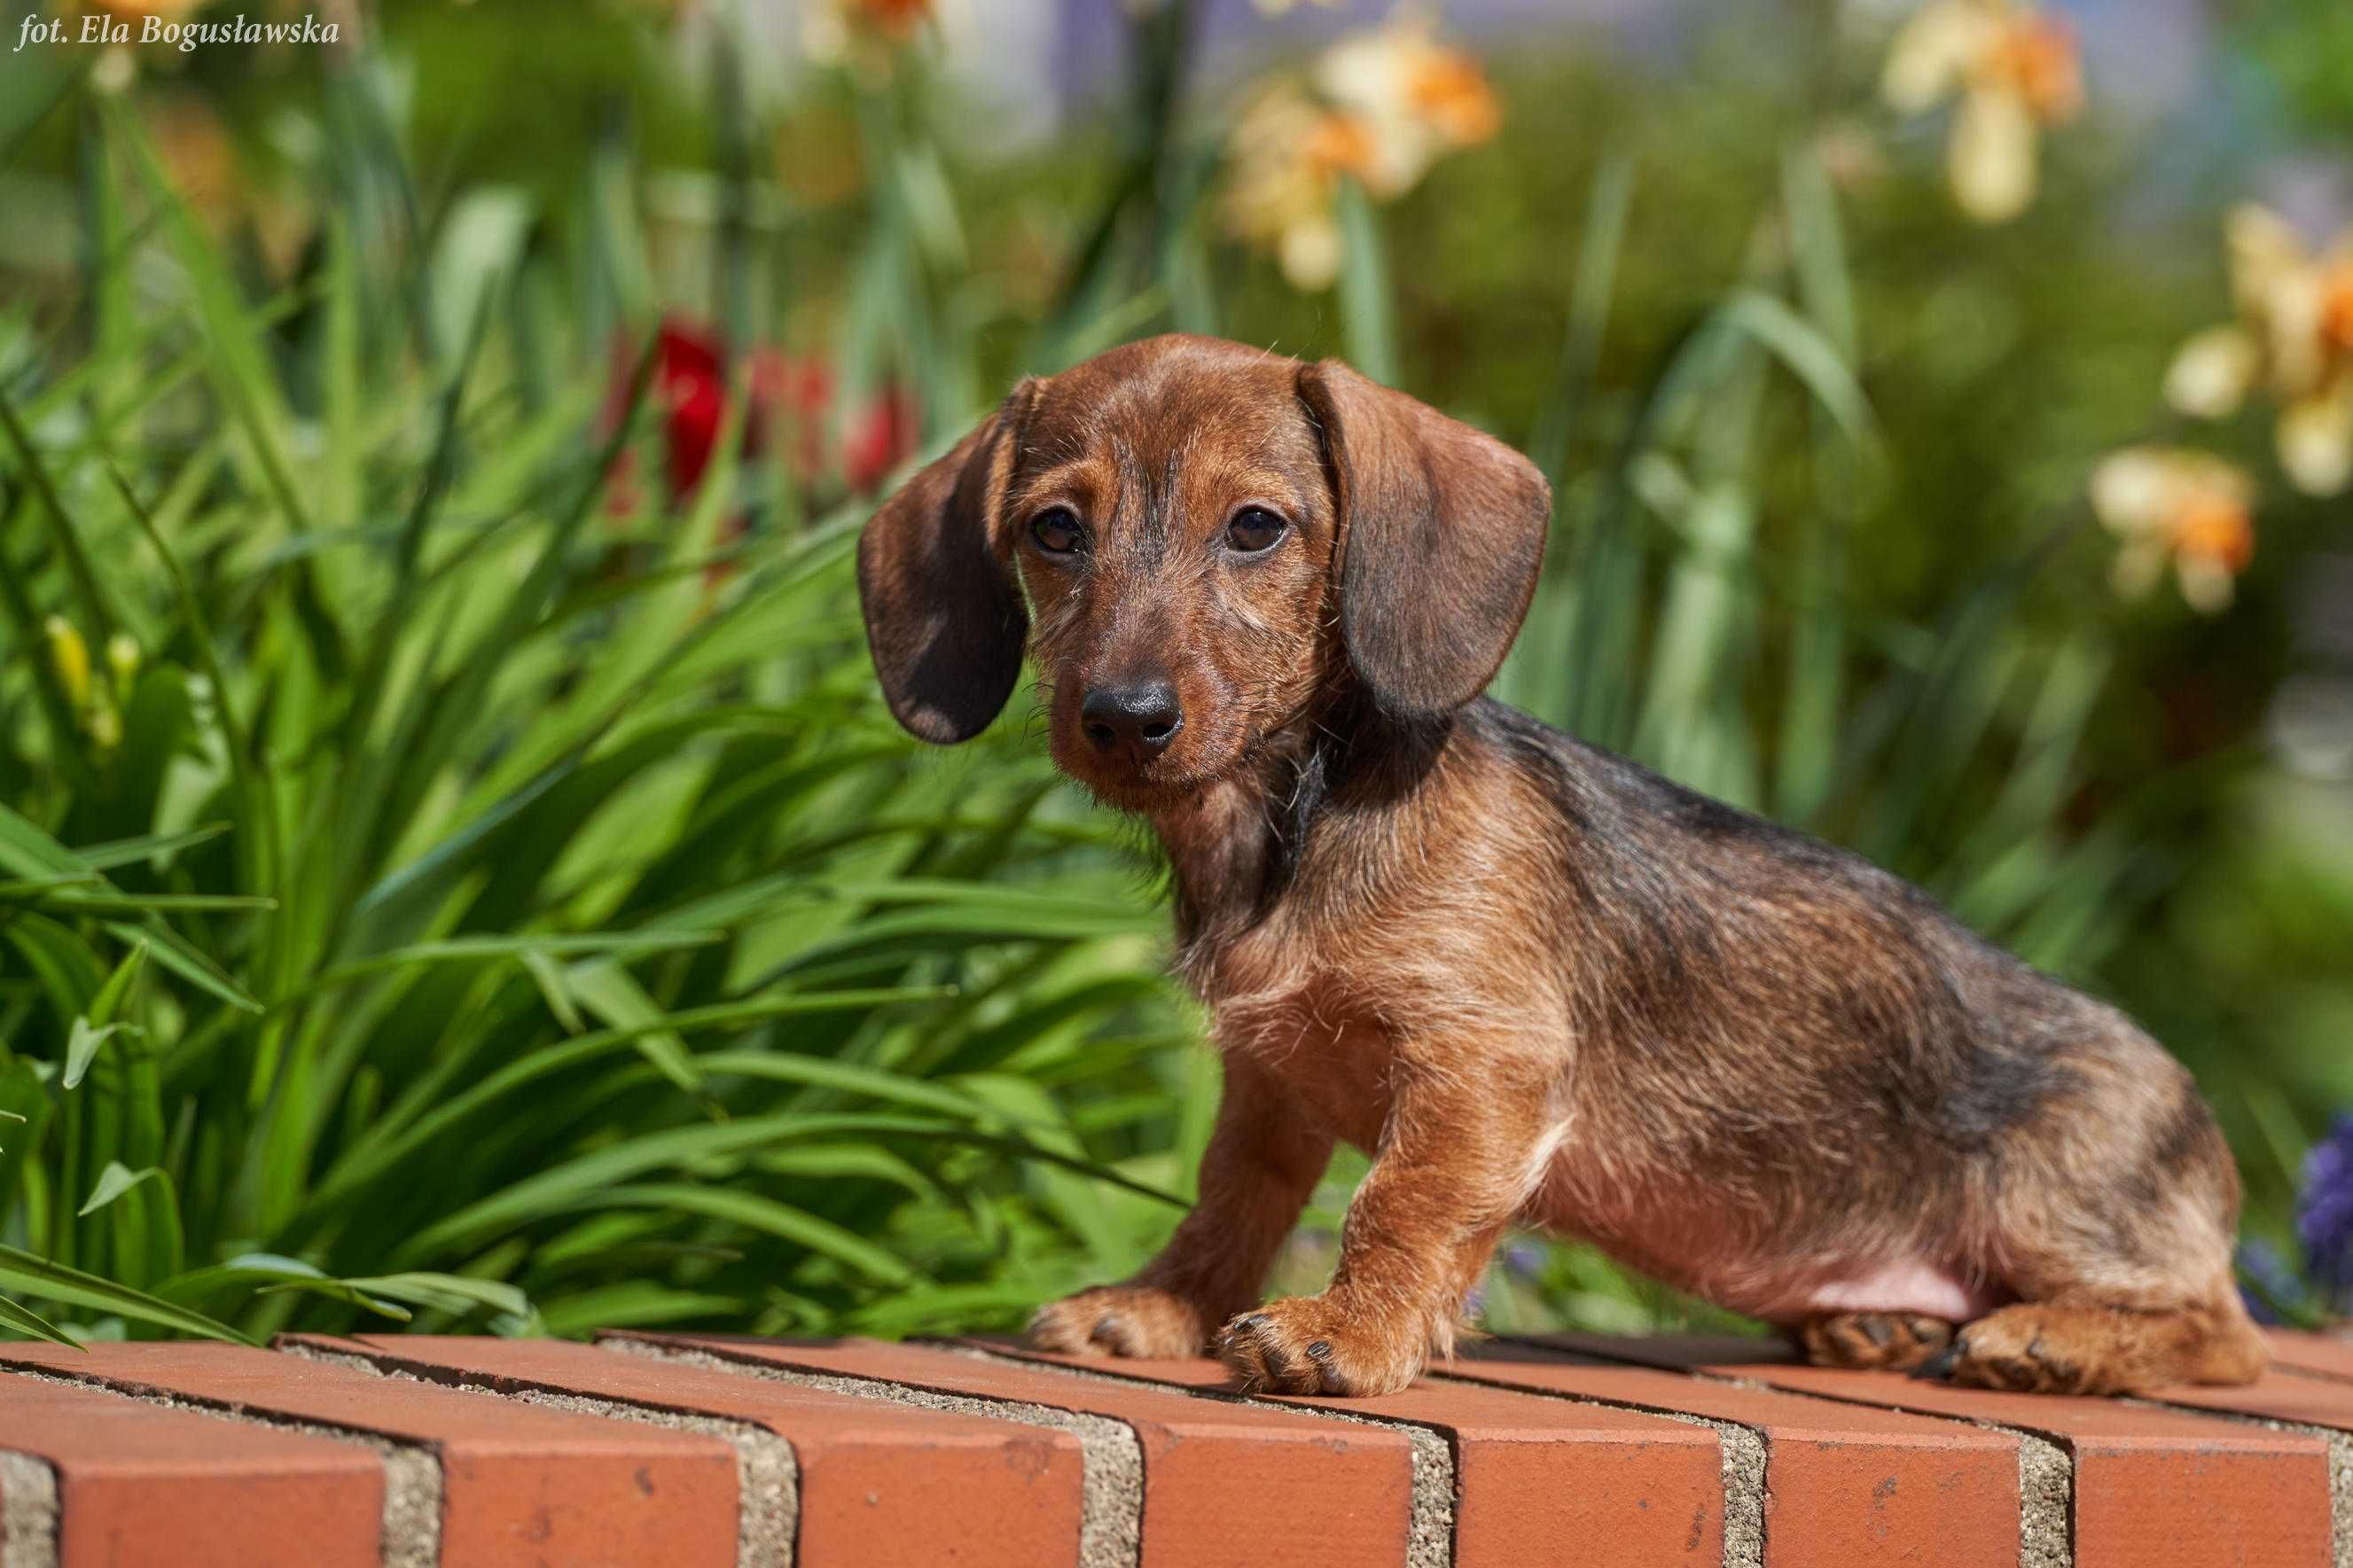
[1441, 533]
[943, 615]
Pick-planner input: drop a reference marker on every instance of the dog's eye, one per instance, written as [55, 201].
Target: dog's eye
[1254, 529]
[1056, 530]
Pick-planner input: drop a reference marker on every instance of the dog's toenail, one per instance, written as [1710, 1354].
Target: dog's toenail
[1255, 1321]
[1320, 1350]
[1876, 1330]
[1940, 1365]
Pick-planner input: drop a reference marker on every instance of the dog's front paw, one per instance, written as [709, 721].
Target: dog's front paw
[1140, 1320]
[1312, 1344]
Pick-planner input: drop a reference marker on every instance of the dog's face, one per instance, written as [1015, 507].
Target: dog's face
[1210, 541]
[1171, 524]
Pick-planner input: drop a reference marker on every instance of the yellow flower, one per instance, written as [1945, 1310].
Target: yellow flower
[1380, 108]
[2294, 338]
[2169, 504]
[2016, 69]
[122, 659]
[91, 703]
[69, 657]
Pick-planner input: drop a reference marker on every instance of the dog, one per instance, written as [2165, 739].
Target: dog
[1536, 983]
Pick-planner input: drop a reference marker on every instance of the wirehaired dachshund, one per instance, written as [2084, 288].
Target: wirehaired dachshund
[1538, 984]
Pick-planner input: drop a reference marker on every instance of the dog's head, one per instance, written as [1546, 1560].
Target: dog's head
[1212, 543]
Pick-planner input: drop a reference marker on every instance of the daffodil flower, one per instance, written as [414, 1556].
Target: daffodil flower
[2292, 339]
[1380, 108]
[2170, 505]
[864, 32]
[2016, 71]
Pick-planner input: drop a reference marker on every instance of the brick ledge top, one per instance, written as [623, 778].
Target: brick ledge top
[679, 1448]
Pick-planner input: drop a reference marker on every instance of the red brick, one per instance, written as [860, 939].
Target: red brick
[2289, 1396]
[520, 1484]
[141, 1483]
[2152, 1486]
[2316, 1355]
[1223, 1484]
[1847, 1486]
[1631, 1490]
[879, 1483]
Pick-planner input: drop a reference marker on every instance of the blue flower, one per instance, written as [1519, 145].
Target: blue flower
[2272, 1285]
[2323, 1213]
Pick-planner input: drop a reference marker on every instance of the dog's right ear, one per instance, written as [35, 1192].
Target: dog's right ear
[943, 615]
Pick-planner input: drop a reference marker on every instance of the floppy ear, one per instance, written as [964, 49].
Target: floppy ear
[1441, 532]
[943, 615]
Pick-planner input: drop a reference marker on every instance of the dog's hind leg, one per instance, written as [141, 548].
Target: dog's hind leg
[2068, 1347]
[2112, 1216]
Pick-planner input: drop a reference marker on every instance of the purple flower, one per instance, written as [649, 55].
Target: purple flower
[2323, 1213]
[1524, 1258]
[2269, 1285]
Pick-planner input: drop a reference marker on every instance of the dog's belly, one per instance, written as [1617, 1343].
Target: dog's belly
[1919, 1288]
[1757, 1266]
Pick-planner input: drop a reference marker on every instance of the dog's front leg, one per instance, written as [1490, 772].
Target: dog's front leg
[1455, 1159]
[1260, 1167]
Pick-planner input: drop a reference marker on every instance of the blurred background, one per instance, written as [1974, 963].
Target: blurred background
[455, 867]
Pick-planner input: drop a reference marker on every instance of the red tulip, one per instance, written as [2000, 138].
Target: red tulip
[792, 403]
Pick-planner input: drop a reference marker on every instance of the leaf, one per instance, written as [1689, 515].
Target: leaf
[607, 990]
[112, 1183]
[343, 1290]
[81, 1047]
[1810, 355]
[25, 1274]
[148, 848]
[458, 1294]
[753, 1212]
[1368, 305]
[553, 989]
[32, 1325]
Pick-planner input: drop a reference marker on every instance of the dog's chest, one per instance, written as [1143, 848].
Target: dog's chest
[1306, 1019]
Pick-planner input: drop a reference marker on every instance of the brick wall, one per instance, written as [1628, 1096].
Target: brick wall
[682, 1449]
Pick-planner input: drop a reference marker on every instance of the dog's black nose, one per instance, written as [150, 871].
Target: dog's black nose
[1143, 717]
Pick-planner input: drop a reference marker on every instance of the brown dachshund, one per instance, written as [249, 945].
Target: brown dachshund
[1538, 982]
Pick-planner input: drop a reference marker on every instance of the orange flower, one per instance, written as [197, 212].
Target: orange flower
[2293, 338]
[2017, 71]
[1339, 144]
[862, 32]
[1380, 108]
[2186, 508]
[2035, 56]
[896, 20]
[1449, 92]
